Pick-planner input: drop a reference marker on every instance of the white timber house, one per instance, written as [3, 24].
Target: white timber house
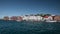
[32, 18]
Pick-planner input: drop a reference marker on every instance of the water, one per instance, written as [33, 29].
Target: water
[14, 27]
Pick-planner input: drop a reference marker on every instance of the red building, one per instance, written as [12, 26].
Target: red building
[13, 18]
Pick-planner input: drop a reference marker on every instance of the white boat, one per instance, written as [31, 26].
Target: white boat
[51, 21]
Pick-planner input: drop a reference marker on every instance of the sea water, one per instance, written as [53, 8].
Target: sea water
[25, 27]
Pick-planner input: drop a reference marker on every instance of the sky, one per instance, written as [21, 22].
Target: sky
[26, 7]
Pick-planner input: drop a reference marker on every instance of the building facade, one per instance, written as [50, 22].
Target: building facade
[57, 18]
[13, 18]
[19, 18]
[6, 18]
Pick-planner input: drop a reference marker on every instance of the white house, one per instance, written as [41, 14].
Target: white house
[39, 18]
[32, 18]
[48, 18]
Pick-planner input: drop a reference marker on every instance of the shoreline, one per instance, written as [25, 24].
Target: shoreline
[31, 21]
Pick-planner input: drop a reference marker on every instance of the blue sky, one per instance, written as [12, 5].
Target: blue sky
[23, 7]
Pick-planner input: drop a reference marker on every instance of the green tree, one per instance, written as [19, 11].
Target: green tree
[48, 14]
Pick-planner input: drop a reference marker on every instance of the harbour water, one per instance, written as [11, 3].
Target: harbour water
[24, 27]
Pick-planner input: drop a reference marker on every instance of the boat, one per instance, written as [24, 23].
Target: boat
[51, 21]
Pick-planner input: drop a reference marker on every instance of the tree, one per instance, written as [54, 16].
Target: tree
[26, 15]
[48, 14]
[31, 15]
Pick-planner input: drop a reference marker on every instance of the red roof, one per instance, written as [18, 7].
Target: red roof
[46, 16]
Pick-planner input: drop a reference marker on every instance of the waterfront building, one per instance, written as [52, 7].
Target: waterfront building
[25, 18]
[13, 18]
[35, 18]
[57, 18]
[39, 18]
[6, 18]
[48, 18]
[45, 17]
[32, 18]
[19, 18]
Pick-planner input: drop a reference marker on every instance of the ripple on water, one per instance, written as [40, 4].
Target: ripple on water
[13, 27]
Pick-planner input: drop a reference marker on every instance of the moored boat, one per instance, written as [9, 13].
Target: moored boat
[51, 21]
